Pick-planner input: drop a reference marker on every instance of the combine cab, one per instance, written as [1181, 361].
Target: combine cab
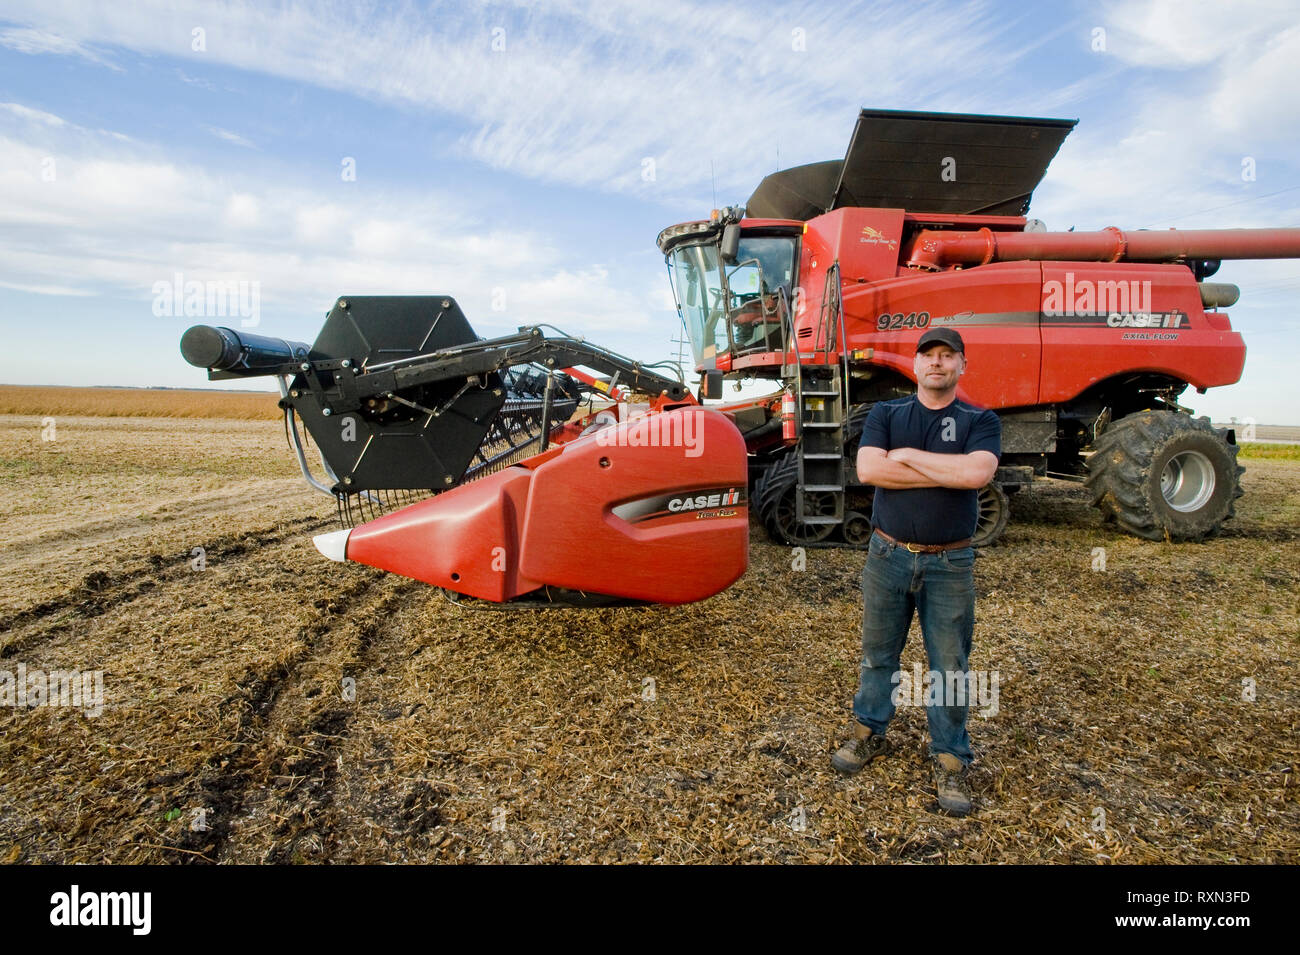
[1081, 342]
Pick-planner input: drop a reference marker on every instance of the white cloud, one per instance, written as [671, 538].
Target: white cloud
[1184, 34]
[112, 225]
[242, 211]
[1257, 95]
[319, 223]
[385, 238]
[195, 81]
[1205, 87]
[1237, 63]
[47, 289]
[584, 92]
[229, 137]
[38, 41]
[33, 115]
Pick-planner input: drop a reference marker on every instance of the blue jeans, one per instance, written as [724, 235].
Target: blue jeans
[941, 587]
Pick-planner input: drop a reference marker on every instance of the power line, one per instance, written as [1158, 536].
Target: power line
[1267, 195]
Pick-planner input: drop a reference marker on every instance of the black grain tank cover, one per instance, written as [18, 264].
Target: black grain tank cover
[946, 163]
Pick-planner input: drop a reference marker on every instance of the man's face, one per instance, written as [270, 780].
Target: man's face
[938, 368]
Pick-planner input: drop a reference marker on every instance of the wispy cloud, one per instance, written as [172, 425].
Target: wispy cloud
[1204, 134]
[1186, 34]
[30, 41]
[1240, 61]
[612, 95]
[195, 81]
[229, 137]
[62, 233]
[597, 93]
[48, 289]
[33, 115]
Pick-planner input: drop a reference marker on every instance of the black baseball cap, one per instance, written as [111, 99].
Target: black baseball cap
[945, 336]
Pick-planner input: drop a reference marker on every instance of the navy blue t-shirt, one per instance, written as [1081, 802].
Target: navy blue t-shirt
[929, 515]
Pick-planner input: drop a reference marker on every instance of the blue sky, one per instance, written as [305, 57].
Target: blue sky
[501, 152]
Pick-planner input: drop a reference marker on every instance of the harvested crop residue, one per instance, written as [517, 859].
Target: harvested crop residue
[274, 707]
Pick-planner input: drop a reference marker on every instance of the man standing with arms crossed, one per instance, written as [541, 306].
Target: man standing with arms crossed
[927, 456]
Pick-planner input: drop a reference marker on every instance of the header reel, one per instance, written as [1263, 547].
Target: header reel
[403, 400]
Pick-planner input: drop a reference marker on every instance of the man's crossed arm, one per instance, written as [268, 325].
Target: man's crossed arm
[911, 467]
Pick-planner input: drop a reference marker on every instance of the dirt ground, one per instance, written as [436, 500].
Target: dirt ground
[274, 707]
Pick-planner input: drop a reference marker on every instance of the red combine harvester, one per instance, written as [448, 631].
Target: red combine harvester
[1077, 340]
[544, 484]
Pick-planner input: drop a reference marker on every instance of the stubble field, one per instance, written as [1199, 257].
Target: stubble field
[274, 707]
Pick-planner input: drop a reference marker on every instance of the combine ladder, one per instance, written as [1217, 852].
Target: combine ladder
[820, 497]
[820, 406]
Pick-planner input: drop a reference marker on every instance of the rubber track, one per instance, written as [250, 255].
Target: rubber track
[779, 477]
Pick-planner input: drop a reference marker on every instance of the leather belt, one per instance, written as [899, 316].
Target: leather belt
[925, 548]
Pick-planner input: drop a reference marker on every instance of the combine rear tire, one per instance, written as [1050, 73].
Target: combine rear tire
[994, 512]
[1165, 476]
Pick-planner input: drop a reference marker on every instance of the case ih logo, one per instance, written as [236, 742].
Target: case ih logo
[872, 236]
[727, 498]
[704, 502]
[1116, 304]
[1146, 320]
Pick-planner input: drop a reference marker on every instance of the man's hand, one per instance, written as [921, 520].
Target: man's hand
[968, 471]
[881, 469]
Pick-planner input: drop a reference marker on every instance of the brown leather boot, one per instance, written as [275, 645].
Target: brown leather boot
[859, 749]
[950, 784]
